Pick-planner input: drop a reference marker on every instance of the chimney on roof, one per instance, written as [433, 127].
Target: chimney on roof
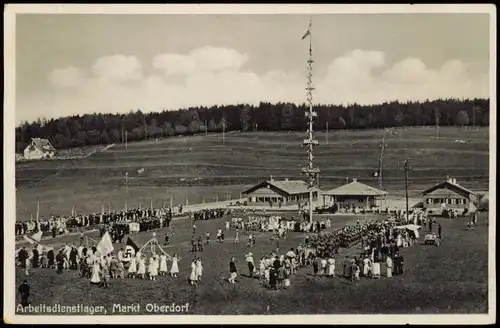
[454, 180]
[271, 178]
[354, 179]
[450, 180]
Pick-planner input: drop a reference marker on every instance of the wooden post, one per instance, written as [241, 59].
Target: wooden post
[327, 133]
[224, 131]
[406, 188]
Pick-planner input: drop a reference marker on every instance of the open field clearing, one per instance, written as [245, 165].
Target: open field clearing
[202, 169]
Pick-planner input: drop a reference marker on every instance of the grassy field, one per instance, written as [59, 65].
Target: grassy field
[202, 169]
[449, 279]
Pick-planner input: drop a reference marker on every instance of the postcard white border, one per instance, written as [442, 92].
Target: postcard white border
[9, 161]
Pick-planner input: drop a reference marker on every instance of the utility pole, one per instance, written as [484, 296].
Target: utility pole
[474, 108]
[437, 125]
[310, 171]
[206, 128]
[327, 133]
[126, 190]
[223, 131]
[382, 148]
[406, 187]
[126, 143]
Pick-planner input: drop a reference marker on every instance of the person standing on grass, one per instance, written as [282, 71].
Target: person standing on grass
[250, 263]
[95, 273]
[353, 270]
[163, 265]
[324, 264]
[389, 265]
[132, 269]
[193, 244]
[199, 269]
[237, 237]
[316, 265]
[141, 272]
[23, 255]
[232, 271]
[200, 244]
[207, 236]
[331, 267]
[219, 235]
[105, 275]
[152, 269]
[174, 269]
[439, 231]
[24, 290]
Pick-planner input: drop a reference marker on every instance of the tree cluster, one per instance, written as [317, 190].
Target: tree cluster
[95, 129]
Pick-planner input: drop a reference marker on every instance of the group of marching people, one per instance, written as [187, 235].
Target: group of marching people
[210, 214]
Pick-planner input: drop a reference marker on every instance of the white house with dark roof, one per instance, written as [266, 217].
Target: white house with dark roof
[39, 148]
[448, 195]
[357, 194]
[286, 192]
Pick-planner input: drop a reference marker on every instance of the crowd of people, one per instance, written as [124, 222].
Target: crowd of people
[147, 219]
[380, 244]
[96, 267]
[210, 214]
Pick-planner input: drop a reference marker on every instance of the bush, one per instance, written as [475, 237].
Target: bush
[482, 203]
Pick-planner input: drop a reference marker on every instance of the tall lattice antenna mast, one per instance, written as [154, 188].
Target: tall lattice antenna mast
[311, 173]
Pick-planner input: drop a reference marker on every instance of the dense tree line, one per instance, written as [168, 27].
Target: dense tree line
[94, 129]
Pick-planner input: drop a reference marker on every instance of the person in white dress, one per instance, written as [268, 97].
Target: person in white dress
[262, 266]
[157, 263]
[174, 269]
[388, 263]
[331, 267]
[95, 279]
[323, 266]
[132, 269]
[141, 272]
[192, 277]
[199, 269]
[163, 265]
[366, 266]
[153, 269]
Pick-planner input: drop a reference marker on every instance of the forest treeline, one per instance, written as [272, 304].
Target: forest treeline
[95, 129]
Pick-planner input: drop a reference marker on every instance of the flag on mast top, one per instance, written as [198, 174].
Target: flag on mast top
[308, 33]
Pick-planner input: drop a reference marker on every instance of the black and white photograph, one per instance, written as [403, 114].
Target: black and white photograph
[250, 164]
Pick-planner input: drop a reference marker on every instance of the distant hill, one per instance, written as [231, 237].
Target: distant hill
[103, 129]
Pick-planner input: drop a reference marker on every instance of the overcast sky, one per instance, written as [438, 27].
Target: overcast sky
[75, 64]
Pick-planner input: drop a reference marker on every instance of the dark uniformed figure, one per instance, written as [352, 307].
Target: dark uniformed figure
[22, 256]
[200, 244]
[439, 231]
[24, 290]
[60, 262]
[35, 258]
[51, 258]
[193, 244]
[73, 254]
